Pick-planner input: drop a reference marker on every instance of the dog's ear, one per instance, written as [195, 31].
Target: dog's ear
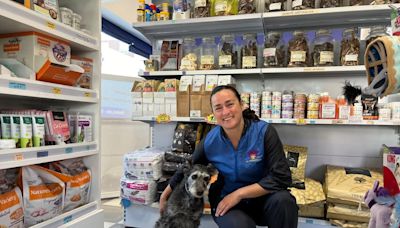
[211, 170]
[187, 166]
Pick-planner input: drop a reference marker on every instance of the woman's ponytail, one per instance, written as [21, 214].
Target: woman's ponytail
[250, 114]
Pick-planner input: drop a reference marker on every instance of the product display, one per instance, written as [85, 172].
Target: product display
[202, 8]
[228, 53]
[274, 50]
[208, 53]
[224, 7]
[329, 3]
[350, 48]
[247, 6]
[274, 5]
[298, 50]
[303, 4]
[323, 48]
[191, 52]
[249, 51]
[297, 158]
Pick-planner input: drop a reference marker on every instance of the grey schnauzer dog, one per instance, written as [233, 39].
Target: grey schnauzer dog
[185, 205]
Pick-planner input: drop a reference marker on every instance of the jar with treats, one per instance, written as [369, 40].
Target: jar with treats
[274, 50]
[202, 8]
[350, 48]
[303, 4]
[323, 48]
[298, 50]
[190, 54]
[247, 6]
[376, 31]
[274, 5]
[249, 51]
[228, 53]
[224, 7]
[208, 54]
[329, 3]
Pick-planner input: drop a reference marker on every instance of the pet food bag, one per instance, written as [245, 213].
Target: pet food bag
[348, 212]
[77, 186]
[138, 191]
[349, 185]
[58, 129]
[296, 157]
[43, 195]
[185, 137]
[143, 164]
[311, 200]
[11, 209]
[348, 224]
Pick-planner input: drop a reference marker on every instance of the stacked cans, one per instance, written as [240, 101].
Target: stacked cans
[276, 105]
[255, 100]
[245, 97]
[266, 105]
[300, 102]
[313, 106]
[287, 105]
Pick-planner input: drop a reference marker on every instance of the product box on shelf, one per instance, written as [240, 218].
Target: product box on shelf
[137, 100]
[196, 95]
[171, 88]
[391, 172]
[46, 7]
[85, 81]
[159, 103]
[183, 96]
[169, 55]
[48, 57]
[211, 82]
[226, 80]
[148, 103]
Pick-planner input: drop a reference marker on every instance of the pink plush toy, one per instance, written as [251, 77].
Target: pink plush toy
[380, 204]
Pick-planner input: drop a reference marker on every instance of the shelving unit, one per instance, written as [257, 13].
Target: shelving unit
[18, 93]
[334, 142]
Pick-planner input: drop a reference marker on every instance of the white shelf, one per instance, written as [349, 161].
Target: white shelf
[69, 216]
[289, 121]
[35, 155]
[15, 17]
[327, 17]
[37, 89]
[280, 70]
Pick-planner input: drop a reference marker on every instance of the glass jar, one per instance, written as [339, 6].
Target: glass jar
[274, 5]
[247, 6]
[228, 53]
[376, 31]
[329, 3]
[274, 50]
[201, 8]
[208, 54]
[190, 54]
[249, 51]
[350, 48]
[303, 4]
[298, 50]
[323, 48]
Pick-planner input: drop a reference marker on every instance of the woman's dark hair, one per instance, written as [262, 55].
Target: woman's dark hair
[247, 113]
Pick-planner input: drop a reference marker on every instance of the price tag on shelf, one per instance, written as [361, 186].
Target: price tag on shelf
[41, 154]
[16, 85]
[314, 69]
[19, 157]
[57, 90]
[337, 121]
[68, 219]
[146, 73]
[301, 121]
[370, 122]
[283, 121]
[68, 150]
[163, 118]
[87, 94]
[312, 122]
[51, 25]
[210, 119]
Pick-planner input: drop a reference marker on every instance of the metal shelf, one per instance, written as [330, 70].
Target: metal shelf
[15, 17]
[13, 86]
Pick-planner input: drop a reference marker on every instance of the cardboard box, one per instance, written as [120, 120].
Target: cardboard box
[48, 57]
[45, 7]
[169, 55]
[148, 97]
[151, 85]
[159, 103]
[183, 96]
[159, 109]
[206, 104]
[148, 109]
[171, 85]
[211, 82]
[196, 102]
[171, 103]
[85, 81]
[137, 104]
[226, 80]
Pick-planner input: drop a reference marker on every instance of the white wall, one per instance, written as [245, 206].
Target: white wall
[126, 9]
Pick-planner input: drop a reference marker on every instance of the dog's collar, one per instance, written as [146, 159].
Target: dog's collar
[187, 188]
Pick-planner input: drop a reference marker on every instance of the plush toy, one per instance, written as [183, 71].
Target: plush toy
[380, 203]
[395, 218]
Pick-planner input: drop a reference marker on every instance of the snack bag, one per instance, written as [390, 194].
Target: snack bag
[11, 209]
[43, 195]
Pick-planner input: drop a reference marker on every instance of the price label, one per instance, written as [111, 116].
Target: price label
[57, 91]
[87, 94]
[19, 157]
[42, 154]
[312, 121]
[68, 150]
[146, 73]
[370, 122]
[283, 121]
[51, 25]
[210, 119]
[301, 121]
[163, 118]
[16, 85]
[68, 219]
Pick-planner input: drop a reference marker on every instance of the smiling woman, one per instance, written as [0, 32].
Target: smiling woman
[253, 174]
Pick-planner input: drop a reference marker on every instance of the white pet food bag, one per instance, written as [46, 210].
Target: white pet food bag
[77, 186]
[143, 164]
[11, 209]
[43, 195]
[138, 191]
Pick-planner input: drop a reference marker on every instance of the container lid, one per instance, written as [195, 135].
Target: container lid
[208, 39]
[228, 37]
[249, 36]
[323, 32]
[7, 144]
[77, 16]
[66, 9]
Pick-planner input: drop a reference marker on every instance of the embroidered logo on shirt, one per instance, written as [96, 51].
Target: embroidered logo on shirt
[253, 156]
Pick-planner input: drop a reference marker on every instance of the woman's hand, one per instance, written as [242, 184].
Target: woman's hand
[164, 197]
[227, 203]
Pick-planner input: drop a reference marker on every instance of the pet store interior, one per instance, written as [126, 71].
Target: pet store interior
[101, 102]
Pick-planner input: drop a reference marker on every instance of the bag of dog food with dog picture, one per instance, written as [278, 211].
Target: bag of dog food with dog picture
[43, 195]
[143, 164]
[11, 209]
[77, 185]
[185, 137]
[138, 191]
[297, 158]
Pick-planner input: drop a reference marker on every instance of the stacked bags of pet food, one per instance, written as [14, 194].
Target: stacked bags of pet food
[47, 191]
[345, 189]
[309, 194]
[186, 137]
[141, 170]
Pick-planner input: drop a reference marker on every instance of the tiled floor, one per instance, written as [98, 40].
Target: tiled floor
[113, 213]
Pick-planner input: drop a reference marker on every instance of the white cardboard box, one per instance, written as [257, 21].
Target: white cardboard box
[148, 109]
[159, 109]
[148, 97]
[159, 97]
[137, 104]
[211, 82]
[170, 103]
[226, 80]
